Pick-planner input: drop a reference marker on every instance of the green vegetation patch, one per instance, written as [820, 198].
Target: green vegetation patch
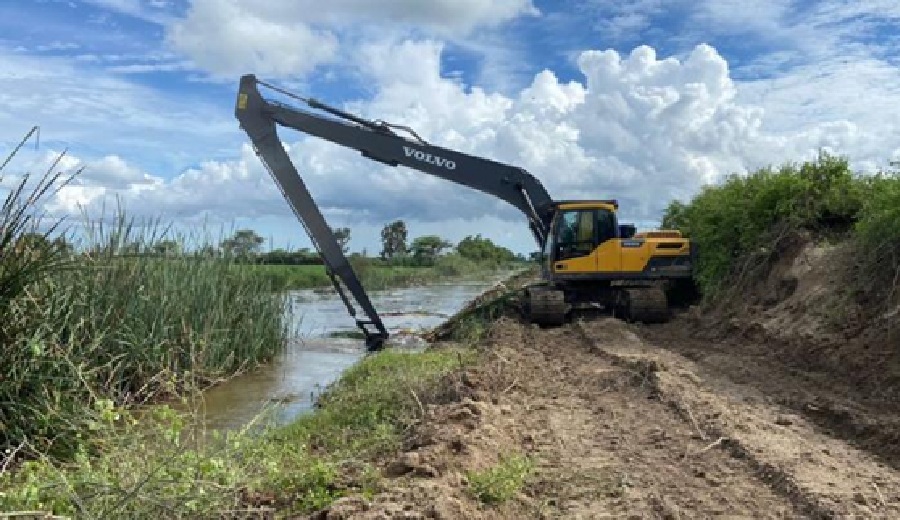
[738, 224]
[128, 330]
[375, 401]
[101, 324]
[502, 481]
[879, 231]
[163, 465]
[374, 273]
[286, 277]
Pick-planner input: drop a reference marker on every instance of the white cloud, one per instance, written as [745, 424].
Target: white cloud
[621, 21]
[291, 37]
[227, 38]
[453, 16]
[154, 11]
[637, 128]
[799, 32]
[95, 113]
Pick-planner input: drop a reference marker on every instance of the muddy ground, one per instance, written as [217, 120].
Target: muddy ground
[631, 421]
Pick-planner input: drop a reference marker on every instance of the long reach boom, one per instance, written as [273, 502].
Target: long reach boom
[379, 141]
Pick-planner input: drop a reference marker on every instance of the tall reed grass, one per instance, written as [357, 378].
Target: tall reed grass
[77, 328]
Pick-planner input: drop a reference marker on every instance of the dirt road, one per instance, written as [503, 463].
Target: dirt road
[623, 421]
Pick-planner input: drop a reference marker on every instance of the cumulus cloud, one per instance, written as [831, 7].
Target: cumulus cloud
[636, 127]
[229, 38]
[291, 37]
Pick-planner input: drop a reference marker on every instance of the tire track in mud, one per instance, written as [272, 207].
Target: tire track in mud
[651, 462]
[853, 408]
[824, 476]
[617, 428]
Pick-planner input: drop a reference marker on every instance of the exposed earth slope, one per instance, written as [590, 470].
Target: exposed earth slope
[761, 408]
[620, 425]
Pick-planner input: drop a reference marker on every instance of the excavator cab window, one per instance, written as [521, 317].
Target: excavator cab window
[578, 232]
[575, 234]
[607, 227]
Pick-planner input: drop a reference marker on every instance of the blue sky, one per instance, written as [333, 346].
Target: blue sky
[644, 101]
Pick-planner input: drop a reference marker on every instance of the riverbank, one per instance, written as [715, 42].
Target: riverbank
[181, 470]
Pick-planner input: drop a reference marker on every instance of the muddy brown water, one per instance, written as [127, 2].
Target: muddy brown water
[314, 357]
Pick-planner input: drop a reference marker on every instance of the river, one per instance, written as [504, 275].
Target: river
[314, 357]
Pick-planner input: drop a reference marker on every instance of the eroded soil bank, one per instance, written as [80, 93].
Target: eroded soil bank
[621, 425]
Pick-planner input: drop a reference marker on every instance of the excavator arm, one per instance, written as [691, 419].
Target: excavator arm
[380, 142]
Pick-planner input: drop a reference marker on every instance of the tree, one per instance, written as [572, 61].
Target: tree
[244, 243]
[425, 249]
[483, 250]
[393, 239]
[343, 238]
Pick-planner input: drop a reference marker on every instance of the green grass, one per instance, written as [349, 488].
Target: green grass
[374, 277]
[162, 466]
[286, 277]
[81, 329]
[374, 401]
[127, 330]
[502, 481]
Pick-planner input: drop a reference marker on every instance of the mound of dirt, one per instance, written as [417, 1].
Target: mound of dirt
[804, 311]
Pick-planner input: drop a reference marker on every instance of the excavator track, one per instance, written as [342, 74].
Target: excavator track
[643, 304]
[546, 305]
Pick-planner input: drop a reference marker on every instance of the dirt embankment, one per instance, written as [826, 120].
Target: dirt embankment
[621, 428]
[762, 413]
[804, 337]
[806, 312]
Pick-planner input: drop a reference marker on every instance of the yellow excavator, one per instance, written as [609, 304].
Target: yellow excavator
[588, 259]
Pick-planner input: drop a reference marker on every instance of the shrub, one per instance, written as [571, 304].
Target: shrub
[878, 230]
[454, 264]
[740, 216]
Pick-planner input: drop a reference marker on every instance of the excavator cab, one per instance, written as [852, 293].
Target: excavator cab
[576, 231]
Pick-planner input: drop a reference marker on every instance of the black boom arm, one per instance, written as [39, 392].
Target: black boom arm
[377, 141]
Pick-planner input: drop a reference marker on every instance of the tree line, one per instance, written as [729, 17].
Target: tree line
[246, 245]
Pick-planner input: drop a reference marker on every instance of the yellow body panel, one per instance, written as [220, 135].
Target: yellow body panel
[608, 256]
[623, 256]
[581, 264]
[634, 258]
[626, 256]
